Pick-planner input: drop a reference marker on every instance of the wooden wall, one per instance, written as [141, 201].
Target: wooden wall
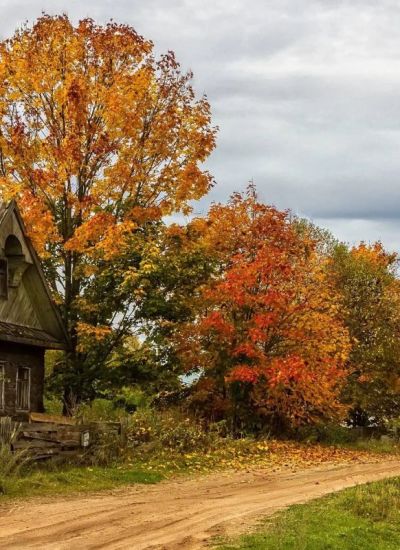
[18, 355]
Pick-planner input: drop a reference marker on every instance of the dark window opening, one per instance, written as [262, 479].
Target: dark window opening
[16, 261]
[23, 388]
[13, 247]
[3, 278]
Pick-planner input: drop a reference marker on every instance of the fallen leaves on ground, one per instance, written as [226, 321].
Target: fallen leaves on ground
[270, 454]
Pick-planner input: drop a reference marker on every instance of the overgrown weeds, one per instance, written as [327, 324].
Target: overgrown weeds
[11, 462]
[168, 430]
[108, 449]
[8, 430]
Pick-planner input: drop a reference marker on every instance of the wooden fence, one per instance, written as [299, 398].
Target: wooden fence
[47, 436]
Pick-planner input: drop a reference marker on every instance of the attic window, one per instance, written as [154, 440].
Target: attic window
[13, 247]
[16, 260]
[3, 278]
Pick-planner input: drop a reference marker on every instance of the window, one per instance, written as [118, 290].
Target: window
[16, 261]
[23, 388]
[3, 278]
[2, 385]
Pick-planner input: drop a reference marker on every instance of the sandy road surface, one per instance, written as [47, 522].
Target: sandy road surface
[179, 514]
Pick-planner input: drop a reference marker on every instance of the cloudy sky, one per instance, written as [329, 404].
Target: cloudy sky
[306, 94]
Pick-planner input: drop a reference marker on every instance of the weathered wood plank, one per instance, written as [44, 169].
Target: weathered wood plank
[24, 444]
[39, 436]
[52, 419]
[27, 427]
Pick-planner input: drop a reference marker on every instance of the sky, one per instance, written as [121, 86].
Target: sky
[306, 95]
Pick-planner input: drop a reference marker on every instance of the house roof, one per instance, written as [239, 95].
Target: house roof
[43, 326]
[27, 335]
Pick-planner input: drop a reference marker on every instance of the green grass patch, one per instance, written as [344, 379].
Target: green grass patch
[366, 517]
[73, 480]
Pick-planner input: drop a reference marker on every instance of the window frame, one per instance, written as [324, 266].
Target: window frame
[18, 380]
[2, 385]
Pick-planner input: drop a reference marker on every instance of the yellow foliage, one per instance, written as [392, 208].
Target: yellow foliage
[96, 136]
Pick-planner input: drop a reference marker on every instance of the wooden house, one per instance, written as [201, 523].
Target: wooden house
[29, 320]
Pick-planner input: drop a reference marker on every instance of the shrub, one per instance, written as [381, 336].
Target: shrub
[131, 399]
[333, 434]
[53, 406]
[106, 450]
[393, 428]
[100, 410]
[169, 430]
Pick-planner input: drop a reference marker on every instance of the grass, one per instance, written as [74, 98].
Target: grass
[366, 517]
[177, 449]
[73, 480]
[375, 446]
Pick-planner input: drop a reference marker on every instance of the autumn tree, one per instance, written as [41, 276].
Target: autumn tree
[172, 288]
[325, 242]
[98, 141]
[269, 347]
[365, 275]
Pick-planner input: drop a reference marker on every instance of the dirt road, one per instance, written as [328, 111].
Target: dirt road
[179, 514]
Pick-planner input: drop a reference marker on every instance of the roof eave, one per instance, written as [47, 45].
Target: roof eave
[32, 342]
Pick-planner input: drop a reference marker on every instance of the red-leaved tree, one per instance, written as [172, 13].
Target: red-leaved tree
[269, 345]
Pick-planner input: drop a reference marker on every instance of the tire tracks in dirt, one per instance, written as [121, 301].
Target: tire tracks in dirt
[180, 514]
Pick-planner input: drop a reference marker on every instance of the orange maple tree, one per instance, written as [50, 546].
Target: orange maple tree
[97, 140]
[270, 345]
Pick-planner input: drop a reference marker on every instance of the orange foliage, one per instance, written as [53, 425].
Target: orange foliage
[89, 334]
[374, 254]
[96, 133]
[97, 139]
[272, 322]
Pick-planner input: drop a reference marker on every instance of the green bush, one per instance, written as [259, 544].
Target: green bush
[131, 399]
[121, 405]
[52, 405]
[100, 410]
[393, 428]
[332, 434]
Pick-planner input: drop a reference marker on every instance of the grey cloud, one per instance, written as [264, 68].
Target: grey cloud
[305, 94]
